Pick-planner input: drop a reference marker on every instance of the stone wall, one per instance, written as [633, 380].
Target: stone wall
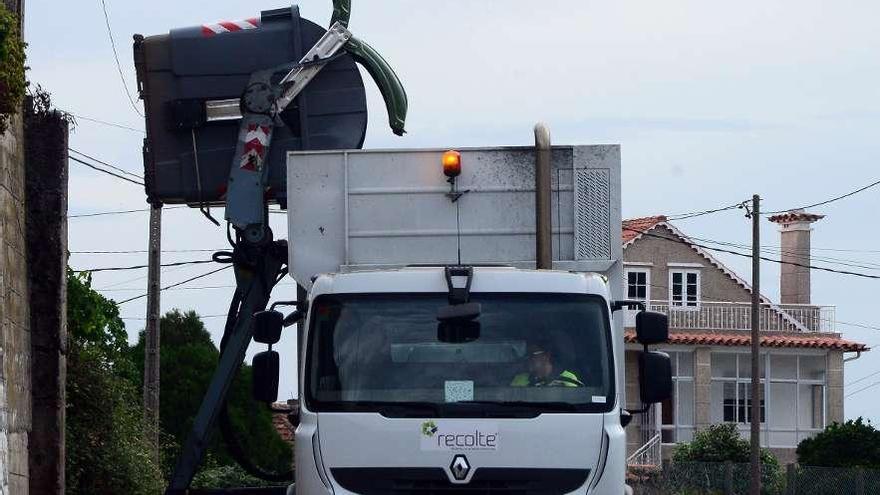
[15, 340]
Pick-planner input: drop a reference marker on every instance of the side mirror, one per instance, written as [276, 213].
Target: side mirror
[265, 377]
[652, 327]
[458, 332]
[267, 326]
[655, 377]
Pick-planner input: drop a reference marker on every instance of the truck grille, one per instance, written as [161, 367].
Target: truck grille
[430, 481]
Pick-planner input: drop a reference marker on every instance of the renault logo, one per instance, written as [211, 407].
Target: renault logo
[460, 467]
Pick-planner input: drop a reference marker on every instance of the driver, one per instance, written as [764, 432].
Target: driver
[542, 370]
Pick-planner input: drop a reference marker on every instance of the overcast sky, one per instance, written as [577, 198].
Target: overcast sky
[711, 102]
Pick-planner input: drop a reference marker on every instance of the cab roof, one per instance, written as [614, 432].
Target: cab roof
[485, 279]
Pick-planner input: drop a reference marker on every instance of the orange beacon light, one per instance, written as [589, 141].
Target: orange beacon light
[452, 164]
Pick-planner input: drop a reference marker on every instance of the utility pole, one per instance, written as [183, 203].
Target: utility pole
[756, 347]
[151, 340]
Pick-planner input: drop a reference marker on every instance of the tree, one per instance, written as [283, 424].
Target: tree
[187, 360]
[108, 449]
[851, 444]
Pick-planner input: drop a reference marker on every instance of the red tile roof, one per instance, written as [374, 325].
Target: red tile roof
[282, 425]
[634, 227]
[796, 216]
[805, 341]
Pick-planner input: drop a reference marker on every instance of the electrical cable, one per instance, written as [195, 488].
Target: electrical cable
[764, 258]
[834, 261]
[142, 251]
[105, 171]
[872, 385]
[862, 378]
[114, 167]
[138, 267]
[116, 57]
[685, 216]
[838, 198]
[144, 319]
[103, 122]
[175, 284]
[121, 212]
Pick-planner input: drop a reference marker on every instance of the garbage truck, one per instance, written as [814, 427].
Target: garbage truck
[437, 353]
[459, 311]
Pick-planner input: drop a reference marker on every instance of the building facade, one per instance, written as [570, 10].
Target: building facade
[709, 309]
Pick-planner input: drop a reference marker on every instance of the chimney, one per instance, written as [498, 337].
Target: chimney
[794, 228]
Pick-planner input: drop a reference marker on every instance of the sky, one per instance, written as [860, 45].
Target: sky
[711, 102]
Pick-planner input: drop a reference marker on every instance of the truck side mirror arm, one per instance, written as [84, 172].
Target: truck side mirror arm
[618, 305]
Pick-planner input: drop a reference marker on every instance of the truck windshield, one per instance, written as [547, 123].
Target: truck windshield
[534, 353]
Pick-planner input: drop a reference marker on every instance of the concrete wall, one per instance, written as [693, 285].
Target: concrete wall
[715, 285]
[15, 341]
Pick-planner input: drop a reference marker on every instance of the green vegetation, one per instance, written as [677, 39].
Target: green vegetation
[721, 443]
[855, 443]
[108, 449]
[108, 441]
[187, 361]
[12, 68]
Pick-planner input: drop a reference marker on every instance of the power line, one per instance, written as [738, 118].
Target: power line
[835, 261]
[116, 57]
[144, 319]
[736, 253]
[105, 171]
[138, 267]
[862, 378]
[121, 170]
[204, 287]
[141, 251]
[127, 281]
[104, 122]
[99, 214]
[122, 212]
[872, 385]
[838, 198]
[685, 216]
[176, 284]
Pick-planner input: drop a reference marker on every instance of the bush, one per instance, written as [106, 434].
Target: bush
[108, 441]
[231, 476]
[855, 443]
[721, 443]
[12, 80]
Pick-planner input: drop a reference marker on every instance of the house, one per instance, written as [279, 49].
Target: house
[709, 312]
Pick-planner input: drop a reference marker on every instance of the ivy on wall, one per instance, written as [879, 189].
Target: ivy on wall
[12, 68]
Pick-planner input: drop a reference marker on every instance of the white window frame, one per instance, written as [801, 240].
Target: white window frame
[767, 426]
[677, 425]
[682, 306]
[638, 269]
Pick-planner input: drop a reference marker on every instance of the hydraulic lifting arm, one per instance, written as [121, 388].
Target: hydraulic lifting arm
[259, 261]
[263, 101]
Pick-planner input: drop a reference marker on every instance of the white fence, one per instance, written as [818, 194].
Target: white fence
[738, 316]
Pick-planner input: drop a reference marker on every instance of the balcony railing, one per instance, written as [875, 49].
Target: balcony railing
[738, 316]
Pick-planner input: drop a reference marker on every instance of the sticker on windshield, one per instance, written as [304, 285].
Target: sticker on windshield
[457, 391]
[599, 399]
[458, 437]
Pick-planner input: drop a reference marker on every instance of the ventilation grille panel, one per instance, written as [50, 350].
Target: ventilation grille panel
[592, 214]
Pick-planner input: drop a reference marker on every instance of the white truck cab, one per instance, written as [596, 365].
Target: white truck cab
[433, 356]
[389, 404]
